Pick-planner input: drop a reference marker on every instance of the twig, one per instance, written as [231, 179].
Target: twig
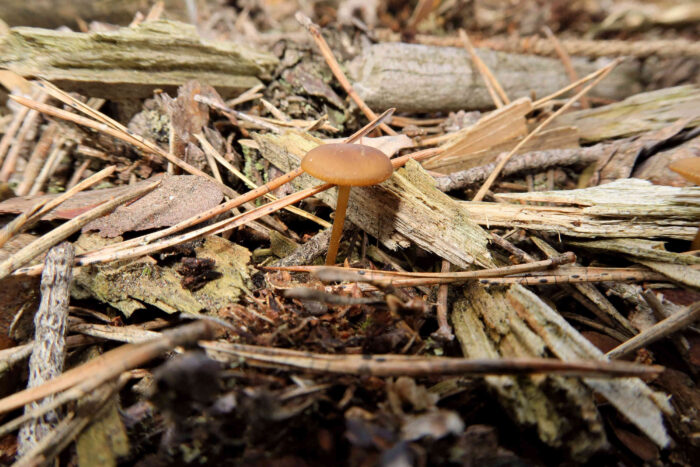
[128, 137]
[415, 366]
[38, 246]
[50, 165]
[489, 181]
[444, 330]
[37, 159]
[46, 361]
[28, 125]
[332, 273]
[335, 68]
[240, 115]
[308, 252]
[78, 174]
[566, 61]
[668, 326]
[111, 364]
[305, 293]
[520, 255]
[529, 161]
[26, 220]
[498, 95]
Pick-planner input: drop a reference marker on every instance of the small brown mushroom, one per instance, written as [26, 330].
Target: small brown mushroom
[690, 170]
[345, 165]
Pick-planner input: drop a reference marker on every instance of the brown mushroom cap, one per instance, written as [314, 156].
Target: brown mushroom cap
[688, 168]
[347, 164]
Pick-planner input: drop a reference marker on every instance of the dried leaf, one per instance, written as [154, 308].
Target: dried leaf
[176, 199]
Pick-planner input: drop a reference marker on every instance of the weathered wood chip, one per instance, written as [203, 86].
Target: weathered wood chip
[642, 112]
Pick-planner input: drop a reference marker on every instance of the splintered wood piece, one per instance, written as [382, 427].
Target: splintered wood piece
[630, 208]
[515, 322]
[642, 112]
[634, 399]
[49, 351]
[499, 126]
[133, 61]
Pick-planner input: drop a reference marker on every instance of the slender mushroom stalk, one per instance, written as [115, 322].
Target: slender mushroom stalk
[340, 207]
[345, 165]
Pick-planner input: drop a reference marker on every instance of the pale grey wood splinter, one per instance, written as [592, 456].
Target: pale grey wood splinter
[46, 361]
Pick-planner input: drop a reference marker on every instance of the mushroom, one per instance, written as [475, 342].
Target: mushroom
[690, 170]
[345, 165]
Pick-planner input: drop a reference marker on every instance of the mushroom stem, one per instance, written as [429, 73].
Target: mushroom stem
[340, 207]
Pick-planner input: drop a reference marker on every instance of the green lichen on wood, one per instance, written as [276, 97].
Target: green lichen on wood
[131, 62]
[131, 285]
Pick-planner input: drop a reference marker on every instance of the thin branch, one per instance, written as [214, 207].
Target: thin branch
[415, 366]
[337, 72]
[673, 323]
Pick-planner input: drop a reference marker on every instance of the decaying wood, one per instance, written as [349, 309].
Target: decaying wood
[55, 13]
[49, 351]
[655, 169]
[631, 397]
[515, 322]
[637, 114]
[132, 62]
[419, 78]
[407, 206]
[131, 285]
[308, 252]
[628, 208]
[486, 326]
[601, 305]
[623, 160]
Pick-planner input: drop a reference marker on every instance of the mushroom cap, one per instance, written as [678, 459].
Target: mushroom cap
[688, 168]
[347, 164]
